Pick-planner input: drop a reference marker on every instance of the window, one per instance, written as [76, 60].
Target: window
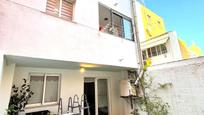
[128, 32]
[45, 88]
[158, 50]
[144, 55]
[115, 23]
[163, 49]
[154, 51]
[149, 52]
[60, 8]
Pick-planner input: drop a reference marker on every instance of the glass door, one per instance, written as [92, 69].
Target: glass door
[102, 87]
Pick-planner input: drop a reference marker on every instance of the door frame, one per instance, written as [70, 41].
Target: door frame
[96, 93]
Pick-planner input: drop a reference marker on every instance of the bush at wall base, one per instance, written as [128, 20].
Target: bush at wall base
[19, 98]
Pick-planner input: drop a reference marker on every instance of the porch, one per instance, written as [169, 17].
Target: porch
[55, 79]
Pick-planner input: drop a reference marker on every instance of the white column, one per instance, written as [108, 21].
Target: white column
[1, 65]
[5, 86]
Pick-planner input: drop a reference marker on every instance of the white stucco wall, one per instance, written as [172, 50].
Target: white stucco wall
[5, 86]
[35, 4]
[31, 33]
[186, 95]
[2, 63]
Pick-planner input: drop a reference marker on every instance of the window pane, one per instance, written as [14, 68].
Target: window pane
[127, 29]
[102, 97]
[144, 55]
[163, 49]
[104, 19]
[149, 52]
[36, 85]
[51, 91]
[158, 50]
[117, 25]
[154, 52]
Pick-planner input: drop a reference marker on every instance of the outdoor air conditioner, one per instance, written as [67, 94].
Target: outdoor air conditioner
[126, 89]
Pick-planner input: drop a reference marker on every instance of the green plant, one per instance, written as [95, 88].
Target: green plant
[150, 102]
[19, 98]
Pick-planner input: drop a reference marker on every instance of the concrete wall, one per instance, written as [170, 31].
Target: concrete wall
[2, 68]
[186, 95]
[2, 63]
[31, 33]
[72, 83]
[5, 86]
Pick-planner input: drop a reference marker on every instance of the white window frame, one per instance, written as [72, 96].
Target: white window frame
[161, 53]
[43, 103]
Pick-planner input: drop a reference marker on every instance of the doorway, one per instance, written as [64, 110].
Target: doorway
[96, 91]
[89, 91]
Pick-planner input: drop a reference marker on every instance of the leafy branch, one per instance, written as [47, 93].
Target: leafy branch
[19, 98]
[150, 102]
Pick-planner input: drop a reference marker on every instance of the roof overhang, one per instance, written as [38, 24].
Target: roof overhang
[154, 42]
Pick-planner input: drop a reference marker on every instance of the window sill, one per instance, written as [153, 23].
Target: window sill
[116, 35]
[59, 17]
[30, 106]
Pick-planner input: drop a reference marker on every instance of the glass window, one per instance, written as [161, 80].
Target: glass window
[149, 53]
[117, 25]
[163, 49]
[144, 55]
[51, 90]
[158, 50]
[154, 52]
[102, 97]
[114, 23]
[45, 88]
[36, 85]
[105, 24]
[128, 34]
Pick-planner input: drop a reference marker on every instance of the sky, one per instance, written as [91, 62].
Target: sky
[186, 17]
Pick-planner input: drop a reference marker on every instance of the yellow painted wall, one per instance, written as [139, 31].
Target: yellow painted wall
[184, 49]
[153, 24]
[195, 50]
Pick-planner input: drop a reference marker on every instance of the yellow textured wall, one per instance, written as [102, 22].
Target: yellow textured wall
[195, 50]
[184, 49]
[153, 24]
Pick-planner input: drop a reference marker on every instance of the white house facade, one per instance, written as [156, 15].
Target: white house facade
[64, 48]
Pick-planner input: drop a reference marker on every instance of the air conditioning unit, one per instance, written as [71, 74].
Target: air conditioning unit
[126, 89]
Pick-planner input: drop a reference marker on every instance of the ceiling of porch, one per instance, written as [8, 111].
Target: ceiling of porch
[49, 63]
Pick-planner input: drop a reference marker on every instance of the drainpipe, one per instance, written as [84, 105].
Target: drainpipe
[137, 42]
[139, 58]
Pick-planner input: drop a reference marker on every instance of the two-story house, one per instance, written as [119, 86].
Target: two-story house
[66, 48]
